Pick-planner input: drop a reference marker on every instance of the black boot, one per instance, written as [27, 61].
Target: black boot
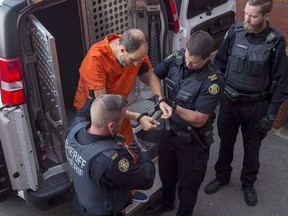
[250, 195]
[213, 186]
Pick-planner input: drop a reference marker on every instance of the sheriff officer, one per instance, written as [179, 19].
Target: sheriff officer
[193, 86]
[102, 168]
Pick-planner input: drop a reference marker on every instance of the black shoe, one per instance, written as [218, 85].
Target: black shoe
[213, 186]
[158, 208]
[250, 195]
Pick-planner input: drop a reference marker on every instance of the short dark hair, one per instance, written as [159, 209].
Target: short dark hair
[112, 102]
[266, 5]
[106, 108]
[132, 39]
[200, 44]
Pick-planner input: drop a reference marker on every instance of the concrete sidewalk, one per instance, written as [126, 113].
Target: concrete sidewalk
[271, 186]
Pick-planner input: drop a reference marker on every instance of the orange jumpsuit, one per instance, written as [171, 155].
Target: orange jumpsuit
[100, 69]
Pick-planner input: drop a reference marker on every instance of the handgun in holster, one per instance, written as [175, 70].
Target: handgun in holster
[206, 134]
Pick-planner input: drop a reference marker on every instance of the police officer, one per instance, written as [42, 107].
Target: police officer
[252, 56]
[193, 87]
[102, 168]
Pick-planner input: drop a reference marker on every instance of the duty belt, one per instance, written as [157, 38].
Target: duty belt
[189, 133]
[236, 96]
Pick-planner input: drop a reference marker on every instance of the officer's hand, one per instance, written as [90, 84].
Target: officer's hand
[171, 103]
[148, 123]
[166, 110]
[265, 124]
[167, 106]
[138, 146]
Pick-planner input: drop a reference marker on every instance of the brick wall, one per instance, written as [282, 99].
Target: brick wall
[279, 16]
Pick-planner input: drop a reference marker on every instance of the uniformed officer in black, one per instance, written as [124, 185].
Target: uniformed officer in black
[252, 56]
[193, 86]
[103, 170]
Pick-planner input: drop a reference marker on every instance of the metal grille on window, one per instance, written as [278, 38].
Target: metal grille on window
[106, 17]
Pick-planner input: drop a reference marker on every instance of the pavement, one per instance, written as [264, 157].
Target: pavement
[271, 186]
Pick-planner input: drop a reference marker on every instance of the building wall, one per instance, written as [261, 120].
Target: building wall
[279, 16]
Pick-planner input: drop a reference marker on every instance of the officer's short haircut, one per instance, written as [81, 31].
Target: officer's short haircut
[200, 44]
[107, 108]
[132, 39]
[266, 5]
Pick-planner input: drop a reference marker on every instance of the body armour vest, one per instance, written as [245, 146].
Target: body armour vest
[80, 157]
[249, 64]
[184, 86]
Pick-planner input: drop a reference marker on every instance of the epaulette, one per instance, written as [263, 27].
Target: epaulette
[174, 54]
[112, 154]
[212, 77]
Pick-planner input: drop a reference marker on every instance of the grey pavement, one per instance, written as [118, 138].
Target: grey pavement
[271, 186]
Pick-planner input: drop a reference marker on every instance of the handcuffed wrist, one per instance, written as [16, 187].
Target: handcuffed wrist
[162, 100]
[140, 116]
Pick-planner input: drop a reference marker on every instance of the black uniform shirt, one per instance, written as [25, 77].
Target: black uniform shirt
[279, 61]
[197, 89]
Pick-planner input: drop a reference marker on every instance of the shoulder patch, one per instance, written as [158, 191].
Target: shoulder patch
[123, 165]
[212, 77]
[214, 89]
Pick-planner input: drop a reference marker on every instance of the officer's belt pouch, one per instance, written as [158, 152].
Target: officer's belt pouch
[235, 96]
[232, 94]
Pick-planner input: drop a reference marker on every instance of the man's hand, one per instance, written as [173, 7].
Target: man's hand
[148, 123]
[266, 123]
[166, 107]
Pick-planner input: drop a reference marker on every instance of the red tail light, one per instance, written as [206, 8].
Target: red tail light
[174, 14]
[12, 89]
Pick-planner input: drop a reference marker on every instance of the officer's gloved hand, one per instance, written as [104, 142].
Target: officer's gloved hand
[266, 123]
[138, 146]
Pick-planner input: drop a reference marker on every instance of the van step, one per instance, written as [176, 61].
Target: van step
[52, 192]
[152, 192]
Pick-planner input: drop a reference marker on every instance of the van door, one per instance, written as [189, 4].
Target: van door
[45, 97]
[212, 16]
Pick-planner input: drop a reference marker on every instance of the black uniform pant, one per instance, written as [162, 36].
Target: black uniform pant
[184, 161]
[232, 116]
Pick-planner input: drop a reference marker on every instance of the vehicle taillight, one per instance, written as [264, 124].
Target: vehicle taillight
[12, 89]
[174, 15]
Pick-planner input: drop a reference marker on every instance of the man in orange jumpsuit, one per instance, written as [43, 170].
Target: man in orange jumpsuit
[112, 66]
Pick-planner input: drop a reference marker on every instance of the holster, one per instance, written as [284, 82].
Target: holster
[206, 134]
[203, 136]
